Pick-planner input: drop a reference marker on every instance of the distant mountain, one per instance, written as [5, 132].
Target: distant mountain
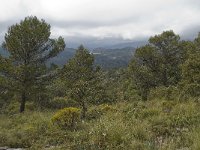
[126, 44]
[63, 57]
[113, 58]
[106, 58]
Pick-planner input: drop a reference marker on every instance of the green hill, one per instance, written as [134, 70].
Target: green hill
[106, 58]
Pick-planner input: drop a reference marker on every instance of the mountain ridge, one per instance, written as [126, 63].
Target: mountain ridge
[104, 57]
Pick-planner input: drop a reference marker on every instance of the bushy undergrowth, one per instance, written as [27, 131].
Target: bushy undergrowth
[169, 93]
[12, 107]
[61, 102]
[67, 118]
[151, 125]
[96, 112]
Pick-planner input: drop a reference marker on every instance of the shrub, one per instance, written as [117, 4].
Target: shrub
[167, 106]
[67, 117]
[189, 91]
[147, 113]
[30, 106]
[185, 115]
[12, 108]
[23, 130]
[166, 93]
[97, 111]
[161, 126]
[62, 102]
[105, 108]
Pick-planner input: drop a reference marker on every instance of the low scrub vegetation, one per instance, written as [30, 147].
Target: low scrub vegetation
[156, 124]
[153, 104]
[67, 118]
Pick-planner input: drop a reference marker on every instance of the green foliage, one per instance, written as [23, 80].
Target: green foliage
[21, 131]
[179, 121]
[67, 118]
[170, 54]
[82, 79]
[62, 102]
[132, 125]
[190, 84]
[194, 134]
[142, 78]
[29, 46]
[114, 58]
[57, 88]
[166, 72]
[158, 63]
[191, 69]
[96, 112]
[119, 87]
[165, 93]
[12, 107]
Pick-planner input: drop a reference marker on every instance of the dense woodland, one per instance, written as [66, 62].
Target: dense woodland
[152, 104]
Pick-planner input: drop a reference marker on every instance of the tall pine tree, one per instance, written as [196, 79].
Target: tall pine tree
[29, 46]
[81, 78]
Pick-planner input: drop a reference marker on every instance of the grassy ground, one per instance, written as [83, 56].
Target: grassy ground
[152, 125]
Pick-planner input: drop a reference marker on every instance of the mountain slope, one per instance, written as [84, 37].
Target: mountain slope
[106, 58]
[113, 58]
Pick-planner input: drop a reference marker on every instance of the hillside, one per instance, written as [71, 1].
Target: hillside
[106, 58]
[113, 58]
[151, 125]
[153, 104]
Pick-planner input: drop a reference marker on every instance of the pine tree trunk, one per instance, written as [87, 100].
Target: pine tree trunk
[165, 82]
[23, 101]
[145, 95]
[84, 109]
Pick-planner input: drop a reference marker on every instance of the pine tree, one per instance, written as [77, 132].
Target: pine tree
[157, 63]
[81, 78]
[29, 46]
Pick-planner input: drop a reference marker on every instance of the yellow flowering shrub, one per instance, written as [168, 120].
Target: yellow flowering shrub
[67, 117]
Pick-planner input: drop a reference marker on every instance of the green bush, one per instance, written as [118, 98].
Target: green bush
[185, 115]
[189, 90]
[30, 106]
[167, 106]
[12, 108]
[180, 119]
[97, 111]
[67, 118]
[62, 102]
[147, 113]
[165, 93]
[146, 125]
[23, 130]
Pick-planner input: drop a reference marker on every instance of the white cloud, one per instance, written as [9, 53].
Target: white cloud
[129, 19]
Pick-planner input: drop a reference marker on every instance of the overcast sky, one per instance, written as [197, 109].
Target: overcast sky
[99, 20]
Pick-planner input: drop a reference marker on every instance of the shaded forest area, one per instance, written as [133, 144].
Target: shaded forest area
[153, 104]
